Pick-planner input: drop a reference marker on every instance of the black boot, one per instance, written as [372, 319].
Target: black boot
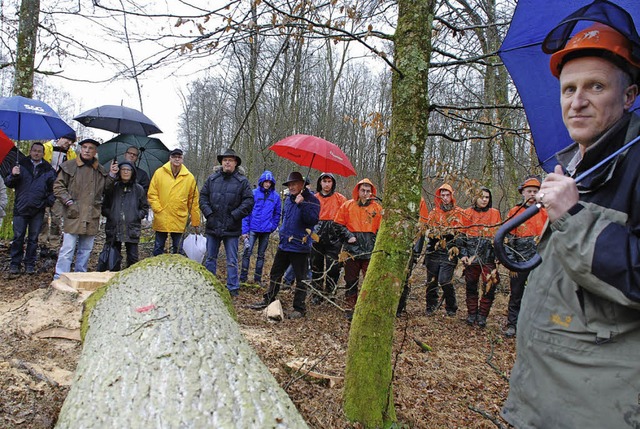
[471, 319]
[482, 321]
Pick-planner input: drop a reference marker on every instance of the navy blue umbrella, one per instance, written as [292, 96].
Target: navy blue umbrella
[119, 119]
[23, 118]
[522, 54]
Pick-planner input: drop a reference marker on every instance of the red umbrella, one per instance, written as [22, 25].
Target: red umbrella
[5, 145]
[314, 152]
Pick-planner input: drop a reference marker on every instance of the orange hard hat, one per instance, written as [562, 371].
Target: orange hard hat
[596, 37]
[531, 181]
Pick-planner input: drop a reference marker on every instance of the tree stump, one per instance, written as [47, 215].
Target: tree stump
[162, 349]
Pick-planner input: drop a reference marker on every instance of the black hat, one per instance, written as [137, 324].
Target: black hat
[230, 153]
[293, 177]
[70, 136]
[176, 151]
[92, 141]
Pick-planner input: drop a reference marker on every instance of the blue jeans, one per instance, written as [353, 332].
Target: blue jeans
[231, 250]
[161, 239]
[20, 226]
[65, 257]
[263, 242]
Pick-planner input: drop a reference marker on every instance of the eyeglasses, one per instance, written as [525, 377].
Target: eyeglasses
[125, 170]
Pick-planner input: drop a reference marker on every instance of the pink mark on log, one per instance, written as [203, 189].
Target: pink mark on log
[146, 308]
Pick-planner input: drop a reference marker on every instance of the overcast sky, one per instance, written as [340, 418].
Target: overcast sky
[96, 29]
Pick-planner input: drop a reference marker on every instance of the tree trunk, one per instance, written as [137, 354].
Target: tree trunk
[26, 49]
[368, 393]
[162, 349]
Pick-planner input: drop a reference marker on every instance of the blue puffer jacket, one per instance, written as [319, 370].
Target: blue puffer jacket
[225, 199]
[297, 219]
[34, 189]
[267, 207]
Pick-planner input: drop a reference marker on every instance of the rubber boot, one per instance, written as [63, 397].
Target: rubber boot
[472, 309]
[350, 305]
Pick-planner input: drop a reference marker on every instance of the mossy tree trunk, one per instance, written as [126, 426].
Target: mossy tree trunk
[368, 393]
[162, 349]
[26, 48]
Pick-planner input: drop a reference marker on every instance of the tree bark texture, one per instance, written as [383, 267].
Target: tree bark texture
[162, 349]
[368, 393]
[26, 48]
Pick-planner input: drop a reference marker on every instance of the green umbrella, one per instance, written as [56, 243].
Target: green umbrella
[153, 153]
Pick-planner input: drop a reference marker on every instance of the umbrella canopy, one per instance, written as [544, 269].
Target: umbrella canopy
[23, 118]
[118, 119]
[153, 153]
[528, 65]
[5, 145]
[10, 160]
[314, 152]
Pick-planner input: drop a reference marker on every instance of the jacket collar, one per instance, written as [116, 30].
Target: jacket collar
[80, 162]
[574, 162]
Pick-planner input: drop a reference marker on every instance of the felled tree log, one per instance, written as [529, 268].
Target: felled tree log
[162, 350]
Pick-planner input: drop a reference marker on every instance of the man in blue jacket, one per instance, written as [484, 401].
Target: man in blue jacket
[258, 226]
[225, 199]
[33, 181]
[301, 214]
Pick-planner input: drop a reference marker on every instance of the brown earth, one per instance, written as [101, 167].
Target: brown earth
[461, 383]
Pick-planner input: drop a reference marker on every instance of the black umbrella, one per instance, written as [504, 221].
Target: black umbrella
[153, 153]
[118, 119]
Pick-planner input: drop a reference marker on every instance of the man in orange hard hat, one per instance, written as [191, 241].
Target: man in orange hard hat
[522, 244]
[579, 325]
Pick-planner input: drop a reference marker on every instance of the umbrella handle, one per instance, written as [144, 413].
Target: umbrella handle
[499, 247]
[498, 241]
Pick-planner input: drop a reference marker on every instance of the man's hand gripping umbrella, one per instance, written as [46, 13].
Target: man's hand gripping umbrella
[498, 241]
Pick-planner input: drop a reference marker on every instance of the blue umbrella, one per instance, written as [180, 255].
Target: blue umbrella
[522, 54]
[23, 118]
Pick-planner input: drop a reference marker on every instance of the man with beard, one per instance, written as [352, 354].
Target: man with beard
[225, 199]
[444, 239]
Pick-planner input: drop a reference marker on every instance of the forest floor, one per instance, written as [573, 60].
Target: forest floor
[461, 383]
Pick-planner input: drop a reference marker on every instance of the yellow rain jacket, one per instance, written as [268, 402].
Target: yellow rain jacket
[171, 199]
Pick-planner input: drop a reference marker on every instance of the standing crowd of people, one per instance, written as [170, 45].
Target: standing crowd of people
[314, 226]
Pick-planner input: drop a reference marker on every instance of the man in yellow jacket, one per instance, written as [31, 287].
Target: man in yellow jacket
[58, 151]
[55, 153]
[173, 195]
